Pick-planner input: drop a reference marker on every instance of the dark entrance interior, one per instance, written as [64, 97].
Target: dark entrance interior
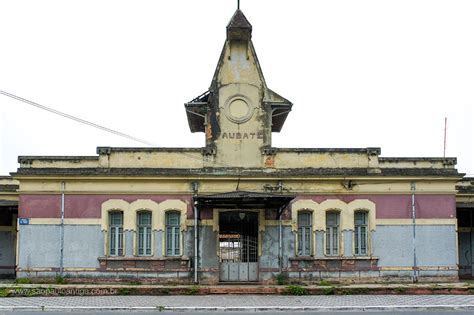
[238, 246]
[8, 217]
[465, 240]
[238, 229]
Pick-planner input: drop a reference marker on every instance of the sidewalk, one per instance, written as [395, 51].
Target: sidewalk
[242, 303]
[30, 290]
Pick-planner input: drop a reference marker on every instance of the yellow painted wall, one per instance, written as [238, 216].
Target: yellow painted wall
[156, 159]
[209, 184]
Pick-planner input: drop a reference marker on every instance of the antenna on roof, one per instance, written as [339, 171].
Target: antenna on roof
[445, 127]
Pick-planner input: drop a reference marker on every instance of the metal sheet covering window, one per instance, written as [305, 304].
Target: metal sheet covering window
[172, 233]
[144, 233]
[116, 233]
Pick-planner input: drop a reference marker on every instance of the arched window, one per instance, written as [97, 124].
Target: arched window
[144, 233]
[304, 233]
[173, 233]
[332, 233]
[360, 237]
[116, 233]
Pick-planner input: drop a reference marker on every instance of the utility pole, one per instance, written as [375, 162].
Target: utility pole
[445, 128]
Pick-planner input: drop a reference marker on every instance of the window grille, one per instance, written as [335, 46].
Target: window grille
[332, 233]
[116, 234]
[173, 233]
[304, 233]
[144, 233]
[360, 237]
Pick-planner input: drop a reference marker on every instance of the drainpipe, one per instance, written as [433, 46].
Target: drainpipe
[413, 215]
[61, 259]
[196, 247]
[280, 249]
[280, 240]
[280, 231]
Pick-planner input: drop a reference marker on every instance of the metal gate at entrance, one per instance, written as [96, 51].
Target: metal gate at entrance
[238, 246]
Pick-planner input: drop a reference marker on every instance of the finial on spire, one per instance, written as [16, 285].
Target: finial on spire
[238, 4]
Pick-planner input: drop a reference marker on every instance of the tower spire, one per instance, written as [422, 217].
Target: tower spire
[239, 28]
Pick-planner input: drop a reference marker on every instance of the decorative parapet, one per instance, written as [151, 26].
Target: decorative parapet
[58, 162]
[417, 162]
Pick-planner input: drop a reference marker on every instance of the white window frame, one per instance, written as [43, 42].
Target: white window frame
[173, 243]
[332, 245]
[144, 234]
[361, 234]
[304, 234]
[116, 247]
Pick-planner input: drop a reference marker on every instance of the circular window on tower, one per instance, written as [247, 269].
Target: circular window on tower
[238, 109]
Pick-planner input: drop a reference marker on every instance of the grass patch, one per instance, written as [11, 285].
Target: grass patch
[160, 308]
[352, 291]
[329, 291]
[400, 290]
[23, 281]
[135, 283]
[296, 290]
[192, 290]
[4, 292]
[324, 283]
[281, 279]
[124, 291]
[165, 291]
[60, 280]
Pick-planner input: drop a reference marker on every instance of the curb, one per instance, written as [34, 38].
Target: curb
[78, 290]
[244, 308]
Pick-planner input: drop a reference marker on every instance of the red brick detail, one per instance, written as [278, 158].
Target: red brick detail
[348, 264]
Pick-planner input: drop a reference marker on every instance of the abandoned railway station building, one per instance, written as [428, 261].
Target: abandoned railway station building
[238, 209]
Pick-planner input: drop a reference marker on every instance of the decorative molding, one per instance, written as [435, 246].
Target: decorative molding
[346, 223]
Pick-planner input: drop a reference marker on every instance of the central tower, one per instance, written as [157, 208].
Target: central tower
[238, 113]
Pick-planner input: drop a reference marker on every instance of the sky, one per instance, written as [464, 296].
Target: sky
[359, 73]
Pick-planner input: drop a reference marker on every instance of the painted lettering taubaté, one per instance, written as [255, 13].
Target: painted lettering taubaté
[242, 135]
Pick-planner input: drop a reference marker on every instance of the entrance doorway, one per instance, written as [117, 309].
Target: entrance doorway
[8, 238]
[238, 246]
[466, 242]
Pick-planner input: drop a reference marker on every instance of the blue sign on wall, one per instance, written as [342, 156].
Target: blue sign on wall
[23, 221]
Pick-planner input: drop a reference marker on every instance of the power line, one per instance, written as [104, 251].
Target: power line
[91, 124]
[79, 120]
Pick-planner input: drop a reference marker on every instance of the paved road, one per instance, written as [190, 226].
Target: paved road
[240, 313]
[243, 303]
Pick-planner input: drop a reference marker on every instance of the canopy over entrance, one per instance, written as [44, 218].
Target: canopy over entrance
[244, 200]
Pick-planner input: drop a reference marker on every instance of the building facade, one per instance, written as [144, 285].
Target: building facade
[238, 209]
[8, 219]
[465, 209]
